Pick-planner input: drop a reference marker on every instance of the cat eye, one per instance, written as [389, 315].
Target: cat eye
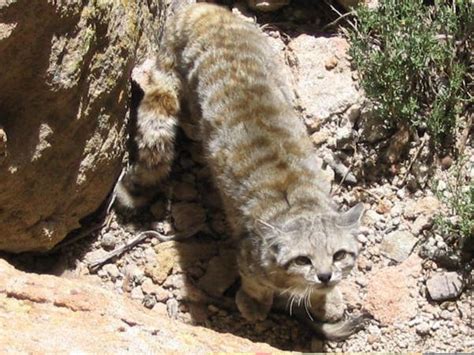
[302, 261]
[339, 255]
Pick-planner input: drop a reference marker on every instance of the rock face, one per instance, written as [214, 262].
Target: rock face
[60, 315]
[324, 82]
[389, 292]
[63, 109]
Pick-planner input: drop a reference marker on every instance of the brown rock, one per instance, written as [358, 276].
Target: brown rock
[55, 315]
[427, 206]
[388, 292]
[63, 109]
[175, 255]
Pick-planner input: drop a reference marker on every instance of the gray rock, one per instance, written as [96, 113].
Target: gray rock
[108, 241]
[423, 328]
[149, 301]
[444, 286]
[398, 245]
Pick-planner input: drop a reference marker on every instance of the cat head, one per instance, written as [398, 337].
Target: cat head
[311, 251]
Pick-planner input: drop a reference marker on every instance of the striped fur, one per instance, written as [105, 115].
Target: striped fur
[260, 155]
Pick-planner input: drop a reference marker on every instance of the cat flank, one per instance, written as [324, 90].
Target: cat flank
[292, 242]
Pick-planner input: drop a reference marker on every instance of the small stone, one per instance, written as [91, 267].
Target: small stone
[428, 206]
[444, 286]
[446, 162]
[384, 206]
[446, 315]
[423, 328]
[137, 293]
[114, 225]
[162, 295]
[362, 239]
[175, 282]
[134, 273]
[421, 223]
[371, 217]
[320, 137]
[330, 63]
[160, 308]
[149, 301]
[112, 270]
[172, 308]
[108, 241]
[148, 287]
[371, 338]
[188, 216]
[398, 245]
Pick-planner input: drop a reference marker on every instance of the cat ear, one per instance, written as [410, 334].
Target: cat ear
[351, 218]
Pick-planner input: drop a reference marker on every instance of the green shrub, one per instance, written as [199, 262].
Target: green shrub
[413, 60]
[458, 196]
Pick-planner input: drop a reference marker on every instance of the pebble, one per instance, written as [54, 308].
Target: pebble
[112, 270]
[148, 287]
[137, 293]
[162, 295]
[149, 301]
[134, 273]
[444, 286]
[362, 239]
[423, 328]
[108, 241]
[398, 245]
[445, 315]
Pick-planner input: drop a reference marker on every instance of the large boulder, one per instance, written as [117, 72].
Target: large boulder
[63, 110]
[47, 314]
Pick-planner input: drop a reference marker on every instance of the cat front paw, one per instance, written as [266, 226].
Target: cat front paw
[251, 309]
[330, 307]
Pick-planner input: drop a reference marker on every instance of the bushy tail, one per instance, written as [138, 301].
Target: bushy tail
[336, 331]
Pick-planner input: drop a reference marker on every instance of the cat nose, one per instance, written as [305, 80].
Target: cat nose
[324, 277]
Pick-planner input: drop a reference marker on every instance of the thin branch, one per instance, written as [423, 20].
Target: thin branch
[336, 21]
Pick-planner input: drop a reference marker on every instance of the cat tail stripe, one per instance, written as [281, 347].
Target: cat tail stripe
[336, 331]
